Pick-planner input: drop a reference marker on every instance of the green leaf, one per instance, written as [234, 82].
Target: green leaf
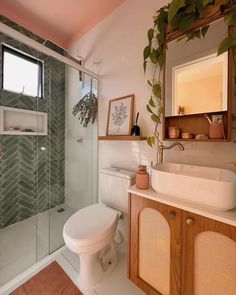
[161, 38]
[200, 7]
[154, 56]
[151, 102]
[174, 8]
[175, 22]
[149, 109]
[161, 59]
[162, 20]
[186, 23]
[147, 51]
[150, 83]
[149, 141]
[204, 31]
[191, 6]
[226, 44]
[206, 2]
[150, 35]
[157, 90]
[230, 19]
[191, 36]
[197, 34]
[153, 140]
[144, 66]
[155, 118]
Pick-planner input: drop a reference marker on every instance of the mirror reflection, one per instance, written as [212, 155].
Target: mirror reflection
[196, 78]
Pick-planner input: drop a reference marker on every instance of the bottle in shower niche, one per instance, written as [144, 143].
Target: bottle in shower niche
[142, 177]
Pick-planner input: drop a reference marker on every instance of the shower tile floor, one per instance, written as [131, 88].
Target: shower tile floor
[26, 242]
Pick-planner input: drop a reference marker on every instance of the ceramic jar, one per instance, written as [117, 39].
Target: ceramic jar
[142, 178]
[173, 132]
[216, 130]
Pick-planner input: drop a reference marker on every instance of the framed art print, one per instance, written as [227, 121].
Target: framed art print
[120, 115]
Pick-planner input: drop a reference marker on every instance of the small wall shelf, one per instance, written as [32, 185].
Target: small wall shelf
[23, 119]
[122, 137]
[196, 140]
[195, 124]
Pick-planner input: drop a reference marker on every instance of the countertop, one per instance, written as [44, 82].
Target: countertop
[228, 217]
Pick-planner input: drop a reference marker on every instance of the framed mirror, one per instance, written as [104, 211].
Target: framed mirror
[198, 86]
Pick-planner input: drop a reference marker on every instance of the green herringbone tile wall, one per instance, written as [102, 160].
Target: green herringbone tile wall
[32, 180]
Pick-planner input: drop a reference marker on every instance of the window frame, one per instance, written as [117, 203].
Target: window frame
[27, 57]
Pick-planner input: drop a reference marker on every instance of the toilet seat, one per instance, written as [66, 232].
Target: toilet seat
[90, 225]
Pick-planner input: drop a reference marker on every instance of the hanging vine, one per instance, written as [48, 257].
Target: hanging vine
[179, 15]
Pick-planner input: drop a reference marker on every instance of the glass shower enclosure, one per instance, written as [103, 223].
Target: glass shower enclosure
[48, 160]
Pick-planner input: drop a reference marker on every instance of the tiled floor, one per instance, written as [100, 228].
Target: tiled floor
[23, 244]
[116, 283]
[18, 252]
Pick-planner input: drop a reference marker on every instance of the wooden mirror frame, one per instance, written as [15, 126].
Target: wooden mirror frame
[197, 123]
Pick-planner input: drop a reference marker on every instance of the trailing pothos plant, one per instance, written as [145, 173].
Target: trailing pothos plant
[180, 15]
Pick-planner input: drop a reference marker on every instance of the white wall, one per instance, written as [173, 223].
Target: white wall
[114, 49]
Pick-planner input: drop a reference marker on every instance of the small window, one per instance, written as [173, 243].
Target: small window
[21, 73]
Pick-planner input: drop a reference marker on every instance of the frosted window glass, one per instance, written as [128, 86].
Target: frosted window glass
[21, 75]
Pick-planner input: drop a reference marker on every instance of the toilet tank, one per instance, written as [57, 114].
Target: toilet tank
[113, 185]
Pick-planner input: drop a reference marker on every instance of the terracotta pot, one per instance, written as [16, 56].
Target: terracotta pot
[142, 178]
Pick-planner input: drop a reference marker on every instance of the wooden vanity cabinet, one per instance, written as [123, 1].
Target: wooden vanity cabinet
[208, 256]
[155, 246]
[175, 252]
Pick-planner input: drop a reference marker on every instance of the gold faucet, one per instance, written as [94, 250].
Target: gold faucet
[161, 148]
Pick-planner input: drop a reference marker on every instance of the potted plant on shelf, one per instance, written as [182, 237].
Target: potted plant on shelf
[180, 17]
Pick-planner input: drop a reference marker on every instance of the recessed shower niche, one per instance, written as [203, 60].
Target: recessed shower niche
[16, 121]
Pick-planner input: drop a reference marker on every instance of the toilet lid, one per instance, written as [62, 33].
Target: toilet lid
[90, 224]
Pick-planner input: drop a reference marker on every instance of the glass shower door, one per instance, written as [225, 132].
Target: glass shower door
[43, 152]
[48, 162]
[73, 151]
[18, 163]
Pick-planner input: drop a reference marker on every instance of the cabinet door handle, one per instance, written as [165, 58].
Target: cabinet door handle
[172, 215]
[190, 221]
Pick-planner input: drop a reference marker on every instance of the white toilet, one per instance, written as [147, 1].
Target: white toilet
[90, 231]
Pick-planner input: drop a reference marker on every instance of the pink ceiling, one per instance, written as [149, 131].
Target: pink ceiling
[61, 21]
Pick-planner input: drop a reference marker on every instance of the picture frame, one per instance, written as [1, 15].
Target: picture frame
[120, 115]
